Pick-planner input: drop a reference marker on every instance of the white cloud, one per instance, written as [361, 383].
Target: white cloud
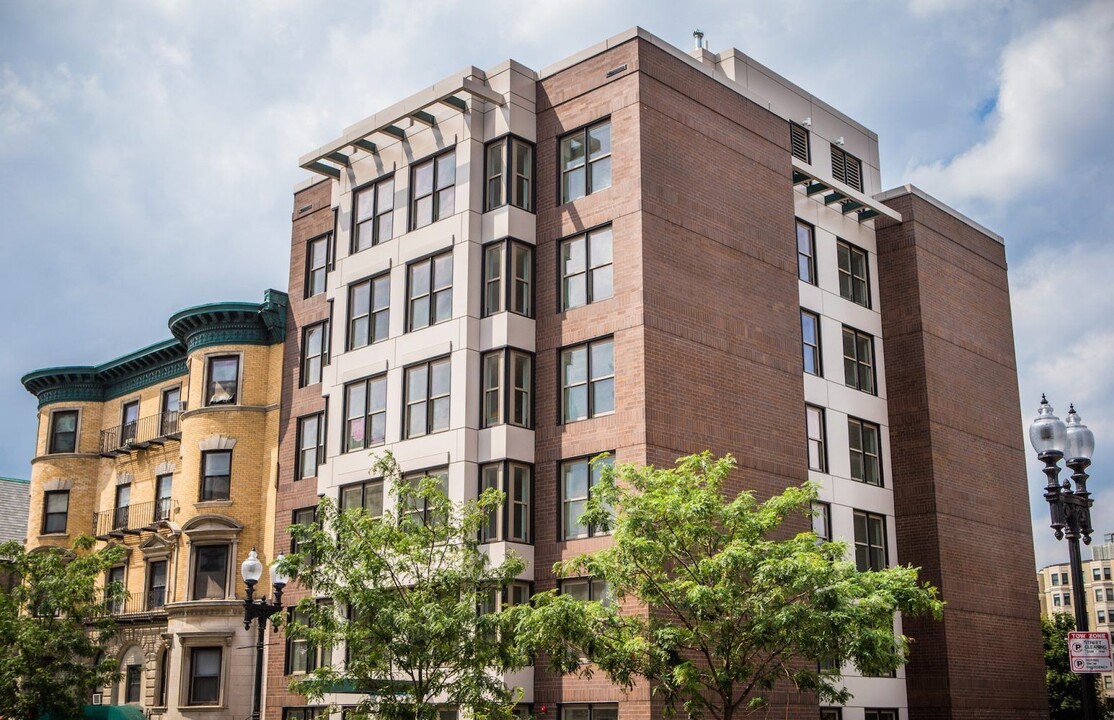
[27, 104]
[1055, 99]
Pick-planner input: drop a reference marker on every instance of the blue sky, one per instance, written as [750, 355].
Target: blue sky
[148, 151]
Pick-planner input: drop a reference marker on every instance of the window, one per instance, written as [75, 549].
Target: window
[814, 421]
[1106, 573]
[365, 413]
[586, 590]
[831, 714]
[810, 342]
[511, 521]
[205, 665]
[132, 677]
[870, 541]
[578, 477]
[164, 679]
[806, 253]
[63, 431]
[56, 507]
[419, 508]
[798, 141]
[306, 713]
[317, 256]
[224, 375]
[511, 182]
[1109, 594]
[1055, 578]
[866, 460]
[368, 495]
[310, 450]
[129, 422]
[858, 360]
[514, 260]
[156, 584]
[1098, 591]
[210, 572]
[847, 169]
[589, 712]
[427, 398]
[430, 291]
[302, 516]
[586, 269]
[302, 656]
[1056, 600]
[121, 505]
[1063, 578]
[1067, 599]
[116, 577]
[502, 369]
[1097, 573]
[369, 311]
[434, 195]
[588, 380]
[313, 353]
[216, 474]
[854, 273]
[585, 161]
[822, 520]
[164, 487]
[374, 214]
[1107, 681]
[171, 406]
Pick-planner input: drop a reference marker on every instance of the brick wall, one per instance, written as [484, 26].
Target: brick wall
[961, 494]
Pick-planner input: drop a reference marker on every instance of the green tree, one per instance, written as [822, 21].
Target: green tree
[1065, 689]
[410, 583]
[735, 603]
[53, 626]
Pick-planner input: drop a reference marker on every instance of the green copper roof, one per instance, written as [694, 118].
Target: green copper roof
[15, 480]
[230, 323]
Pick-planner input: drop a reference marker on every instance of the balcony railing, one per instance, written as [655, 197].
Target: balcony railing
[141, 433]
[139, 605]
[132, 519]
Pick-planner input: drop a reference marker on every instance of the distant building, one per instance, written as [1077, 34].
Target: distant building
[1054, 583]
[15, 495]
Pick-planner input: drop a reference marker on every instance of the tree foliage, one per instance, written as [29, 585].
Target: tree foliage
[736, 605]
[411, 582]
[1065, 688]
[54, 626]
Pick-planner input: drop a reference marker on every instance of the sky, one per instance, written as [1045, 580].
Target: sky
[148, 152]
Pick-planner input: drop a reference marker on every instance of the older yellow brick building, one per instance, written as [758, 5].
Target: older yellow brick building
[171, 452]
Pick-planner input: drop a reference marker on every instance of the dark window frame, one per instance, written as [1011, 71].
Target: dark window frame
[591, 582]
[52, 441]
[319, 446]
[506, 388]
[372, 186]
[807, 349]
[192, 699]
[416, 476]
[870, 547]
[821, 441]
[346, 446]
[809, 257]
[295, 520]
[364, 485]
[505, 522]
[853, 251]
[875, 458]
[315, 654]
[429, 397]
[507, 173]
[880, 714]
[589, 379]
[195, 559]
[323, 355]
[154, 602]
[373, 312]
[209, 382]
[589, 271]
[859, 363]
[206, 491]
[433, 291]
[583, 130]
[168, 419]
[133, 683]
[592, 531]
[128, 428]
[822, 512]
[435, 211]
[163, 504]
[507, 280]
[311, 269]
[47, 514]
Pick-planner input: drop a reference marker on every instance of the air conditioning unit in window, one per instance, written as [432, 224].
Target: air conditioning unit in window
[96, 699]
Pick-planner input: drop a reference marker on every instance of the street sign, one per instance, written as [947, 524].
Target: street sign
[1089, 652]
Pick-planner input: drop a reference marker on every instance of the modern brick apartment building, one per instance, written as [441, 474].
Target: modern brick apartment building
[171, 453]
[648, 252]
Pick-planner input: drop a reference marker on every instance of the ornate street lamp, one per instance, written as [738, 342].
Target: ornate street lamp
[1070, 508]
[260, 610]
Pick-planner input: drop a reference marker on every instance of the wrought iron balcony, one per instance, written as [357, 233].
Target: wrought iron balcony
[132, 519]
[142, 433]
[139, 607]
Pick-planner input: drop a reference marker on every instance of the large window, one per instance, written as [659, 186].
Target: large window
[508, 278]
[129, 422]
[509, 173]
[508, 379]
[366, 495]
[132, 683]
[806, 252]
[301, 516]
[56, 508]
[308, 713]
[513, 519]
[858, 360]
[313, 353]
[374, 214]
[798, 141]
[317, 258]
[156, 584]
[434, 190]
[369, 311]
[810, 342]
[586, 268]
[847, 168]
[427, 398]
[430, 291]
[419, 508]
[588, 380]
[205, 664]
[585, 161]
[63, 431]
[164, 488]
[814, 423]
[586, 589]
[224, 378]
[830, 713]
[854, 273]
[866, 458]
[216, 474]
[822, 520]
[121, 506]
[880, 714]
[171, 406]
[578, 477]
[870, 541]
[302, 656]
[210, 572]
[310, 450]
[116, 578]
[365, 413]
